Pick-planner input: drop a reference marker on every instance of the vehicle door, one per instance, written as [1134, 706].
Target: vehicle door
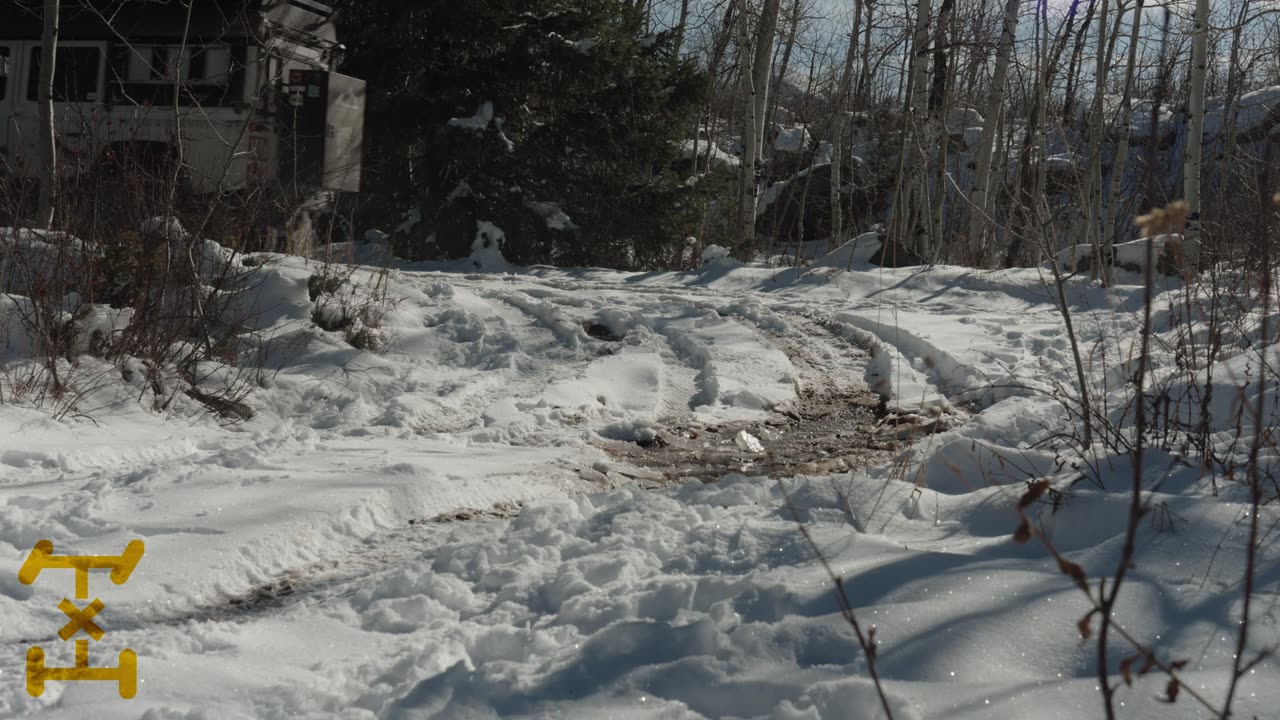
[78, 111]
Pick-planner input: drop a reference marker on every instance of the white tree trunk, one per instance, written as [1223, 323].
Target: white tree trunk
[755, 79]
[978, 204]
[864, 77]
[1093, 180]
[750, 150]
[1195, 131]
[912, 193]
[1122, 150]
[47, 140]
[797, 14]
[762, 68]
[838, 127]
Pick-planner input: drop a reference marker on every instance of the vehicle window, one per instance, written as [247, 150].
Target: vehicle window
[4, 71]
[144, 75]
[75, 74]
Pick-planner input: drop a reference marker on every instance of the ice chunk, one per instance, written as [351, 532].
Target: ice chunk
[748, 442]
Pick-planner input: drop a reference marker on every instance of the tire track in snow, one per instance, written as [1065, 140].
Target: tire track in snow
[686, 375]
[534, 349]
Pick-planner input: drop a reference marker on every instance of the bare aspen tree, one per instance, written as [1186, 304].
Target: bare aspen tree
[747, 169]
[1045, 74]
[1195, 130]
[707, 119]
[44, 99]
[682, 23]
[762, 69]
[1112, 208]
[178, 146]
[1073, 65]
[864, 79]
[755, 79]
[797, 9]
[1229, 110]
[912, 195]
[978, 203]
[1031, 171]
[838, 126]
[1092, 196]
[935, 130]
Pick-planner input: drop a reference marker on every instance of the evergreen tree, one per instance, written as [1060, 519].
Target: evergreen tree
[556, 120]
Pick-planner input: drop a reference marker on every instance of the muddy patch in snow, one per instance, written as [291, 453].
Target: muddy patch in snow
[827, 430]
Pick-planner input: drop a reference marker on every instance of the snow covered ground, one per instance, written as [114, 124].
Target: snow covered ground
[439, 530]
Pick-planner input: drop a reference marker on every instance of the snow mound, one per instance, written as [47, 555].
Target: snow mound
[486, 249]
[714, 253]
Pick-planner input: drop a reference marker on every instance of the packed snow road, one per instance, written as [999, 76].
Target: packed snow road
[576, 494]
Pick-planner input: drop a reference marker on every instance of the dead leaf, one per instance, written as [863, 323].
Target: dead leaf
[1034, 491]
[1023, 533]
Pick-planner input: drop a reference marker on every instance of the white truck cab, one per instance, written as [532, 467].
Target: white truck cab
[244, 89]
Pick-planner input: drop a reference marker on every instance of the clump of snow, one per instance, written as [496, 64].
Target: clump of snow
[747, 442]
[552, 215]
[712, 253]
[486, 249]
[719, 157]
[478, 122]
[411, 220]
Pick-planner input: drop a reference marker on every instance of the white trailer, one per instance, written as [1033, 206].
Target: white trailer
[242, 92]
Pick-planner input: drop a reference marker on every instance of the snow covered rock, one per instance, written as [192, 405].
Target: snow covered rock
[791, 139]
[719, 158]
[1172, 256]
[552, 214]
[714, 253]
[972, 136]
[961, 118]
[857, 251]
[893, 255]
